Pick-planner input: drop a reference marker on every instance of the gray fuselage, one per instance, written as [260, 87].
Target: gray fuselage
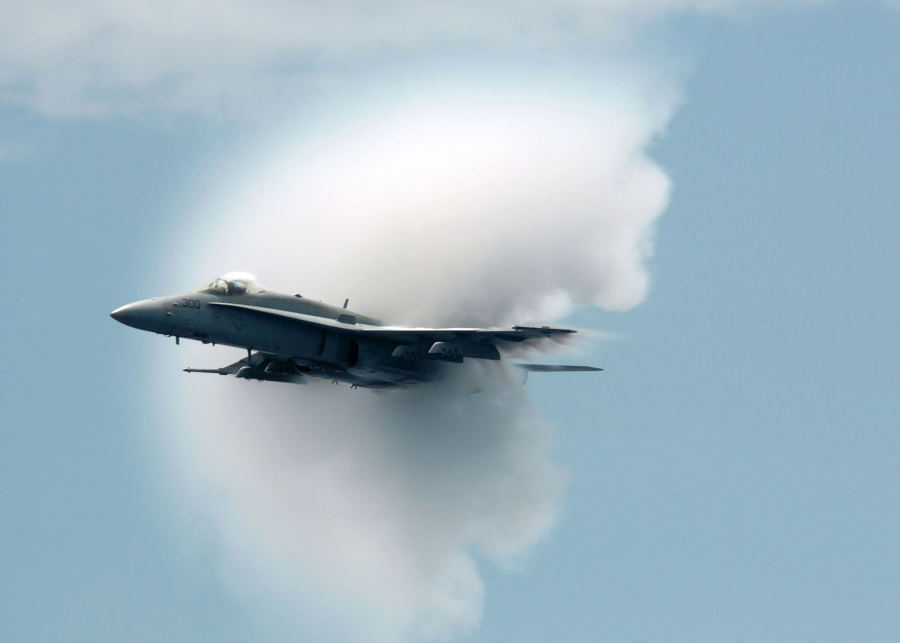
[315, 350]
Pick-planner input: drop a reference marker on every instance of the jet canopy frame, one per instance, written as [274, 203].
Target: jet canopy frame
[232, 284]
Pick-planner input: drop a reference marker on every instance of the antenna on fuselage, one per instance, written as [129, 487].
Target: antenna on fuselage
[346, 301]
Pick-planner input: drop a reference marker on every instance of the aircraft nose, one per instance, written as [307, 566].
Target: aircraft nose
[140, 314]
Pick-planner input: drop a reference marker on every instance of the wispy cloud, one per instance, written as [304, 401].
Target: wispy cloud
[102, 56]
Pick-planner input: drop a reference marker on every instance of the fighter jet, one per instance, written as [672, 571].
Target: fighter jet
[292, 338]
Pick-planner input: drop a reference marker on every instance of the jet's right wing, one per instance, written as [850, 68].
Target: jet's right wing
[488, 338]
[448, 344]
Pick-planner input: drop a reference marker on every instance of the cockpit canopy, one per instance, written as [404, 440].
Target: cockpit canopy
[233, 283]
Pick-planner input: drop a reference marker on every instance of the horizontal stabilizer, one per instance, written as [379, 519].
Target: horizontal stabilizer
[556, 368]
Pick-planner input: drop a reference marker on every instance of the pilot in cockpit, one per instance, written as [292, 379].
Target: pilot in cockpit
[232, 284]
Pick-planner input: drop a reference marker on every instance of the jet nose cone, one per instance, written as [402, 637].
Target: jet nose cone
[140, 314]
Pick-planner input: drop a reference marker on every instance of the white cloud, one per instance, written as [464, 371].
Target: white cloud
[366, 510]
[374, 510]
[470, 209]
[112, 55]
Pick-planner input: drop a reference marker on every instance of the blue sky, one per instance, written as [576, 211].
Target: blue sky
[731, 476]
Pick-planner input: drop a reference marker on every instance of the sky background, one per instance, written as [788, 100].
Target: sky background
[732, 475]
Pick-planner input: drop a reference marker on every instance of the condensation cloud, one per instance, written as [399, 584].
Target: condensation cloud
[375, 511]
[472, 209]
[366, 511]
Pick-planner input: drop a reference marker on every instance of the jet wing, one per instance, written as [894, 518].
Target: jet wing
[409, 335]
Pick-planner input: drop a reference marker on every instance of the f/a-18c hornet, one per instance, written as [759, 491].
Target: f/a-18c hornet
[291, 338]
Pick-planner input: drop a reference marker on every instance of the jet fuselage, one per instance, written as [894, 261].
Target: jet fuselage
[295, 338]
